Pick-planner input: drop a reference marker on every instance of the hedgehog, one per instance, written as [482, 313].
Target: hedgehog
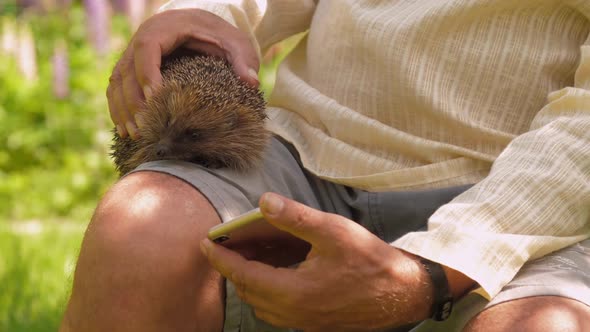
[202, 113]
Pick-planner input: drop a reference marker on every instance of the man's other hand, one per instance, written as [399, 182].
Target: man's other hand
[350, 280]
[137, 74]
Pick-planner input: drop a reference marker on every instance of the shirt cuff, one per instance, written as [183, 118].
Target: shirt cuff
[490, 259]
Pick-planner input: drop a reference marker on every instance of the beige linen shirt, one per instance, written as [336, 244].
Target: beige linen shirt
[400, 95]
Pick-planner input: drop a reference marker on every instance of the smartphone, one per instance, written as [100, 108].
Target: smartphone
[250, 235]
[236, 227]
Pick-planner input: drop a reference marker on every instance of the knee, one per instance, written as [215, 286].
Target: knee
[153, 217]
[542, 313]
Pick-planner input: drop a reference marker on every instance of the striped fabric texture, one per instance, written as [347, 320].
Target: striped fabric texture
[403, 95]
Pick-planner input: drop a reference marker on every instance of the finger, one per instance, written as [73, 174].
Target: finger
[114, 113]
[255, 282]
[116, 102]
[125, 102]
[237, 50]
[237, 47]
[241, 53]
[244, 60]
[125, 116]
[319, 228]
[132, 94]
[147, 62]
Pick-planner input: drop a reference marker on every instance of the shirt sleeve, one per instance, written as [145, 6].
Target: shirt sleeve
[265, 21]
[535, 200]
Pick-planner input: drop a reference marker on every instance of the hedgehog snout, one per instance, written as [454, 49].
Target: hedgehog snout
[162, 149]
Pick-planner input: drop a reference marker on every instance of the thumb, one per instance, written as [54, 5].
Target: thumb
[319, 228]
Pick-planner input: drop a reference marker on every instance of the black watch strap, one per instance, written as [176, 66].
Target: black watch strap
[442, 304]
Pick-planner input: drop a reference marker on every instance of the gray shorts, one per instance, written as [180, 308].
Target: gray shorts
[388, 215]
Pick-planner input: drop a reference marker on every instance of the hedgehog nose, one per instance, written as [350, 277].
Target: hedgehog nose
[162, 150]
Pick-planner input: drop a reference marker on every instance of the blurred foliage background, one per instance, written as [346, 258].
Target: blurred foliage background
[55, 60]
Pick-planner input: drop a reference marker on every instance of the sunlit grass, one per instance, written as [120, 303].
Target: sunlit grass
[36, 264]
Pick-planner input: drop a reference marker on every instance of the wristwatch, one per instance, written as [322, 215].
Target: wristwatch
[442, 304]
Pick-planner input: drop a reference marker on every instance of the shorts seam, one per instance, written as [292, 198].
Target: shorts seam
[374, 215]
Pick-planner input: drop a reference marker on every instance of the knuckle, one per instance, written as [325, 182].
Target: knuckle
[302, 215]
[115, 78]
[140, 43]
[125, 67]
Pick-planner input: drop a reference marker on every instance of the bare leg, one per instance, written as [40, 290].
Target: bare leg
[540, 313]
[140, 267]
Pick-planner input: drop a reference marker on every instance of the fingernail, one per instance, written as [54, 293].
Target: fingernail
[205, 246]
[253, 74]
[120, 131]
[139, 120]
[147, 92]
[272, 204]
[131, 129]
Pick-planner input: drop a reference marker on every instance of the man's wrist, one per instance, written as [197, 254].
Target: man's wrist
[420, 288]
[458, 284]
[442, 299]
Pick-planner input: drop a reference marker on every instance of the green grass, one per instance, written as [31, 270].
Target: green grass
[36, 265]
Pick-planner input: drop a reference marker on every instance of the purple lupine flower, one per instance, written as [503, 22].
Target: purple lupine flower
[98, 24]
[61, 70]
[29, 4]
[119, 6]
